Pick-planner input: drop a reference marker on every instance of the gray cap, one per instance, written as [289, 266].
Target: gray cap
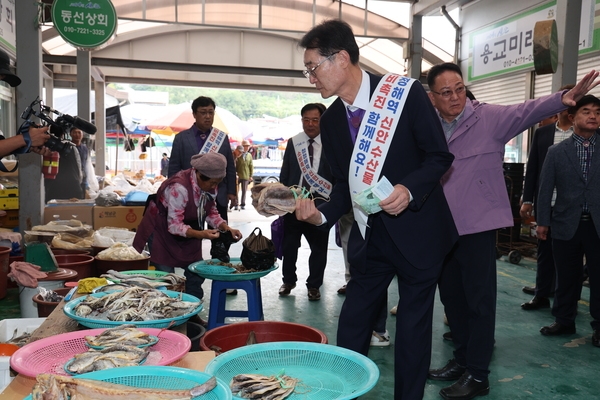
[212, 165]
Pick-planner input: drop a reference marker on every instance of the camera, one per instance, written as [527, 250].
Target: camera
[60, 125]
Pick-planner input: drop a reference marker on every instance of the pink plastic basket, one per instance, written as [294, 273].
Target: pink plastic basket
[49, 355]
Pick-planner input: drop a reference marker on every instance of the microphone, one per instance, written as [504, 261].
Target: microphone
[79, 123]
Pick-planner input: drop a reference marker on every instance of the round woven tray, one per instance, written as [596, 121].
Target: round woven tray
[69, 310]
[209, 269]
[173, 378]
[324, 371]
[50, 354]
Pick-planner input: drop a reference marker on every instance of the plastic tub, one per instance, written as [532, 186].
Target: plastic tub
[232, 336]
[28, 307]
[102, 266]
[69, 251]
[82, 263]
[45, 308]
[195, 332]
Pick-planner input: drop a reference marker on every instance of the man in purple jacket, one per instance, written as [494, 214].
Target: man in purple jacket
[476, 192]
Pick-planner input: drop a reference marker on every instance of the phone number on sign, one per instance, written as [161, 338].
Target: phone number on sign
[84, 31]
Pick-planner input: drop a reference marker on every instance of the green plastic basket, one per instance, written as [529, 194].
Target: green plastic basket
[208, 270]
[146, 272]
[69, 310]
[161, 378]
[325, 371]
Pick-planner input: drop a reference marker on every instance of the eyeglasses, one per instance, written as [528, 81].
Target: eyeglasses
[311, 71]
[448, 93]
[309, 120]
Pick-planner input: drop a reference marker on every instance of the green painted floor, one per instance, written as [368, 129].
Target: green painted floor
[525, 365]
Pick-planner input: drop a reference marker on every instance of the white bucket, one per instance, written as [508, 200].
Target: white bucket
[28, 307]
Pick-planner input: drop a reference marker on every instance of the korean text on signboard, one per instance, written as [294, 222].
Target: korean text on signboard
[508, 46]
[87, 25]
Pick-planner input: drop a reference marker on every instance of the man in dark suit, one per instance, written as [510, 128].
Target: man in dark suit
[414, 230]
[543, 138]
[572, 169]
[191, 141]
[292, 175]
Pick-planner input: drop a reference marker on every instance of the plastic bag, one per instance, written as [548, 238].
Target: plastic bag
[108, 199]
[277, 227]
[258, 251]
[220, 246]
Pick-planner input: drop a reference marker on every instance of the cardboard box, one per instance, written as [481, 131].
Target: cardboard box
[83, 213]
[9, 199]
[118, 216]
[10, 220]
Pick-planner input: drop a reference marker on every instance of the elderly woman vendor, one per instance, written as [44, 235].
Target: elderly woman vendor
[173, 224]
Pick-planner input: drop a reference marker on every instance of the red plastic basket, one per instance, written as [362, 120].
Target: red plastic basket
[49, 355]
[232, 336]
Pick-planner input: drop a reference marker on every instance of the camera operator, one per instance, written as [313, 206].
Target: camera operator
[34, 138]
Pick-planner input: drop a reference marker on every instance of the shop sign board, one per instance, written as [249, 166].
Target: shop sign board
[85, 24]
[508, 45]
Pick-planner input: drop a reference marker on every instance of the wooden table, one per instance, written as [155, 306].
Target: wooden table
[57, 323]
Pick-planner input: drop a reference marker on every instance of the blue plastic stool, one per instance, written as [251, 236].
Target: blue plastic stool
[217, 312]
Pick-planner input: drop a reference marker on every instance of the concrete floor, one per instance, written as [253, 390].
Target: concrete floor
[525, 365]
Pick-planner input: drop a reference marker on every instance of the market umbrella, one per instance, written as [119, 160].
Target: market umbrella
[179, 117]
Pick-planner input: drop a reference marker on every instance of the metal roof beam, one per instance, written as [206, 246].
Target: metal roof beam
[171, 66]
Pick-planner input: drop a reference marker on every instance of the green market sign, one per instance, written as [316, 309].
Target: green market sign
[87, 25]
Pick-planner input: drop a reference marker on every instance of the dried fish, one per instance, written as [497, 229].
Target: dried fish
[55, 387]
[254, 386]
[127, 335]
[110, 357]
[171, 281]
[275, 198]
[19, 340]
[251, 338]
[134, 304]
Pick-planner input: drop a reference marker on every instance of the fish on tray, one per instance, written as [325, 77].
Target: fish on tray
[134, 304]
[55, 387]
[127, 335]
[254, 386]
[110, 357]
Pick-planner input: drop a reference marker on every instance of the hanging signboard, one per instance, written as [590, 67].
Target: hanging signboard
[508, 45]
[86, 25]
[7, 24]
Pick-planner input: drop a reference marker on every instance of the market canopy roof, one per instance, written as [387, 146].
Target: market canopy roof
[240, 44]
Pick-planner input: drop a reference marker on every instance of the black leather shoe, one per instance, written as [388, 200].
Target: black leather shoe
[529, 290]
[536, 303]
[557, 328]
[466, 388]
[314, 294]
[286, 289]
[342, 290]
[596, 338]
[447, 336]
[450, 372]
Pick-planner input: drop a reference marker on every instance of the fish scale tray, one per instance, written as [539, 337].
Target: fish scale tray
[209, 269]
[325, 371]
[173, 378]
[50, 354]
[69, 310]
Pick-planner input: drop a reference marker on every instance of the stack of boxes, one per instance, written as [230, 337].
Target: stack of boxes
[9, 202]
[128, 217]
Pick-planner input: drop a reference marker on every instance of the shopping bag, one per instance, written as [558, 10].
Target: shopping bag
[258, 251]
[277, 236]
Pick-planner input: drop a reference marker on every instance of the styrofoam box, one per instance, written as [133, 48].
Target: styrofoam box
[7, 331]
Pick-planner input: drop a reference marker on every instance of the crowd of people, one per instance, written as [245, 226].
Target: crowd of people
[437, 154]
[446, 175]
